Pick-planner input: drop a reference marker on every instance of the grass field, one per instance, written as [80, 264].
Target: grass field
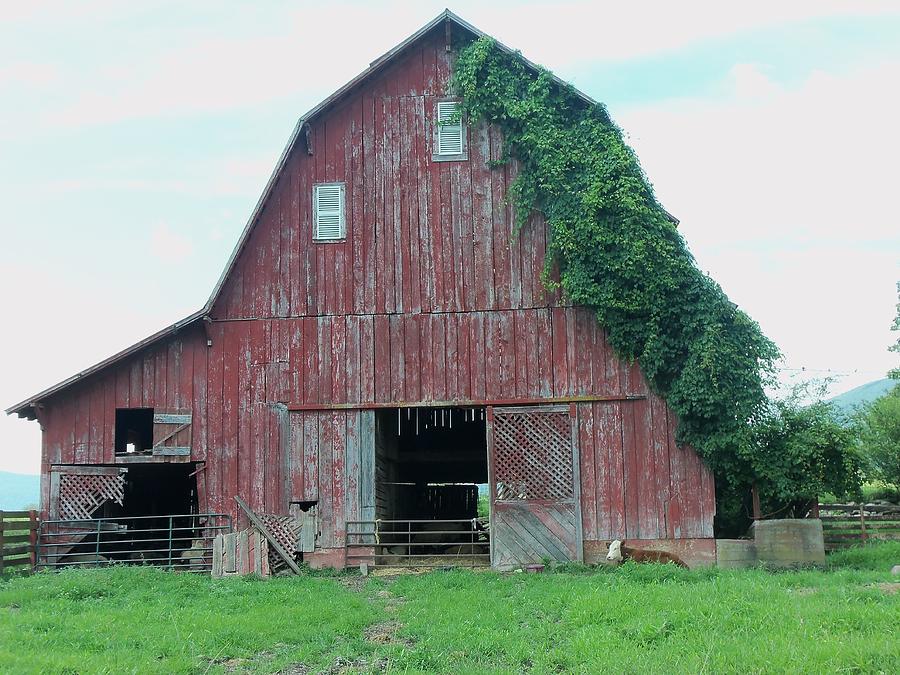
[650, 618]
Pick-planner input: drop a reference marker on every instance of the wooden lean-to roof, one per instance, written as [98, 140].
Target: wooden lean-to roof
[26, 408]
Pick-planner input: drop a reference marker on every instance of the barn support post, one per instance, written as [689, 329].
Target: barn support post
[492, 488]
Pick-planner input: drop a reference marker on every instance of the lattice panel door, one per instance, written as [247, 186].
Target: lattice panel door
[535, 513]
[80, 495]
[286, 529]
[533, 455]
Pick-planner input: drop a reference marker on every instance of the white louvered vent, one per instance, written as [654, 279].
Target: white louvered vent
[329, 210]
[450, 138]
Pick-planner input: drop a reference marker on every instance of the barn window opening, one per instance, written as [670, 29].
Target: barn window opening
[450, 132]
[133, 430]
[431, 465]
[328, 211]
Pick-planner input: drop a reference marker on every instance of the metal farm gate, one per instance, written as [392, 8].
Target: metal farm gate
[533, 463]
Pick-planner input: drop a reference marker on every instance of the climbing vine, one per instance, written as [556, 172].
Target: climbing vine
[619, 252]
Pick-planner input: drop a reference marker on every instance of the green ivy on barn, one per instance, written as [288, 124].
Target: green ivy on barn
[619, 252]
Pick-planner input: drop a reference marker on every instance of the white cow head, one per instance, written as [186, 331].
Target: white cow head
[615, 552]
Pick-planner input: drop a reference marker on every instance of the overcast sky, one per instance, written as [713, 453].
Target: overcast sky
[135, 139]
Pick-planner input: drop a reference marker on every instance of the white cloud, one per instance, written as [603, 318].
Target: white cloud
[28, 74]
[169, 246]
[561, 34]
[786, 197]
[748, 81]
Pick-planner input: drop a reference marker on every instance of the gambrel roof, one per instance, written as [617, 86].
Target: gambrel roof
[449, 21]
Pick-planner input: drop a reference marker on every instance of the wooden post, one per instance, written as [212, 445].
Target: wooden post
[1, 544]
[814, 508]
[757, 509]
[33, 524]
[862, 523]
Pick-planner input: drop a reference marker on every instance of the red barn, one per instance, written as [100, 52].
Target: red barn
[379, 343]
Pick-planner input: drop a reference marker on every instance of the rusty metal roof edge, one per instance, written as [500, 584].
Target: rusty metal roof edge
[31, 401]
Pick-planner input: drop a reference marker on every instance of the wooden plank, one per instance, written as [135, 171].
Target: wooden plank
[338, 473]
[646, 472]
[172, 418]
[439, 356]
[8, 563]
[451, 352]
[9, 515]
[632, 474]
[242, 562]
[413, 362]
[464, 356]
[398, 354]
[308, 530]
[409, 208]
[171, 451]
[352, 466]
[449, 302]
[588, 472]
[9, 539]
[422, 225]
[87, 470]
[483, 241]
[230, 562]
[367, 464]
[217, 554]
[273, 542]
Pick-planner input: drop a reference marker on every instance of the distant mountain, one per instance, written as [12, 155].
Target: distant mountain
[847, 402]
[18, 490]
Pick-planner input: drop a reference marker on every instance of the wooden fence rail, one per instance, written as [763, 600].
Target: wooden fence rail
[18, 539]
[848, 524]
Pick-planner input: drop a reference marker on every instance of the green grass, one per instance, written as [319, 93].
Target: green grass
[647, 618]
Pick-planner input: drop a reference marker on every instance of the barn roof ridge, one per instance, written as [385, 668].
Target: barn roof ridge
[26, 408]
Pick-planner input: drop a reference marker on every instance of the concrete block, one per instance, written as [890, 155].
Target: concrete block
[735, 553]
[789, 541]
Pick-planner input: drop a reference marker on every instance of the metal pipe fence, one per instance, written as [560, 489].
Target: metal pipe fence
[181, 542]
[419, 543]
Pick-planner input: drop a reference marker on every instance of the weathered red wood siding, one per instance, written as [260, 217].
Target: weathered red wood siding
[430, 298]
[422, 236]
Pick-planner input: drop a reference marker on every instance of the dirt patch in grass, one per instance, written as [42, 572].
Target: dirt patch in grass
[354, 583]
[343, 665]
[385, 633]
[382, 633]
[889, 587]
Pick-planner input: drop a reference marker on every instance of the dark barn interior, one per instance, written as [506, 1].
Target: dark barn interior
[429, 463]
[153, 493]
[156, 490]
[133, 430]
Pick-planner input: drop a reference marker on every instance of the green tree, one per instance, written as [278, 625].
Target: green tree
[878, 428]
[802, 452]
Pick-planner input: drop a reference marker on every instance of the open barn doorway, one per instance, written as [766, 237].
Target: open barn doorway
[143, 513]
[431, 475]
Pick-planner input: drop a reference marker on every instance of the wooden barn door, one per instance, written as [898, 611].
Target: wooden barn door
[533, 463]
